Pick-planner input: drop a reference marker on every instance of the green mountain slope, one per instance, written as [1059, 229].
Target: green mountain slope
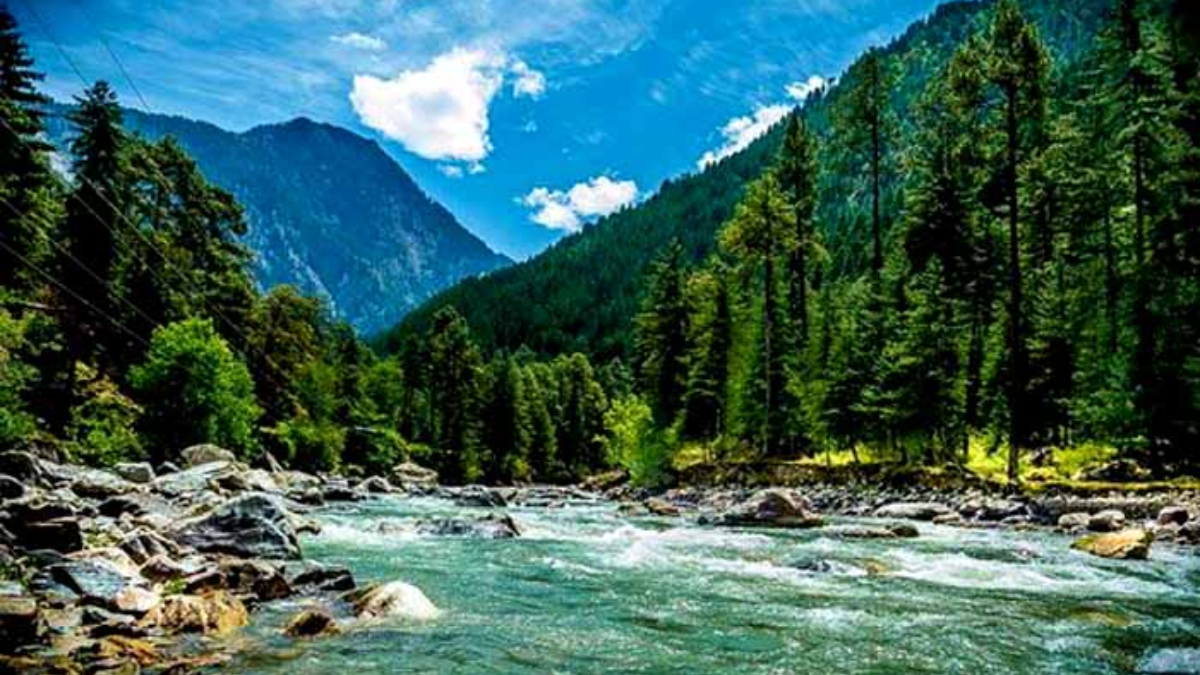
[580, 294]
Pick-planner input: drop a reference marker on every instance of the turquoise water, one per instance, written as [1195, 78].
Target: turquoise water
[590, 591]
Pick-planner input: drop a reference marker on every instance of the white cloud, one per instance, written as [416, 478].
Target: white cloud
[527, 81]
[799, 91]
[566, 210]
[360, 41]
[440, 112]
[451, 170]
[740, 132]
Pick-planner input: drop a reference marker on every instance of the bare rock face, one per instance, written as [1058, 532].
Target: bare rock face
[253, 526]
[772, 508]
[394, 599]
[311, 623]
[212, 613]
[1131, 544]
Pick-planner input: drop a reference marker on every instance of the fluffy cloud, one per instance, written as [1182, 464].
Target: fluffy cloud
[567, 210]
[739, 132]
[801, 90]
[440, 112]
[527, 81]
[360, 41]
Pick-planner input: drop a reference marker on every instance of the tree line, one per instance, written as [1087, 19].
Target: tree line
[130, 328]
[1032, 262]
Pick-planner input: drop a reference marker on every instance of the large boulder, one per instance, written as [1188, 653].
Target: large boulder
[312, 577]
[1131, 544]
[255, 579]
[772, 508]
[1173, 515]
[195, 479]
[105, 583]
[143, 544]
[408, 474]
[394, 599]
[661, 507]
[477, 495]
[253, 526]
[487, 527]
[311, 623]
[900, 531]
[212, 613]
[1072, 522]
[135, 472]
[912, 510]
[20, 622]
[206, 453]
[1109, 520]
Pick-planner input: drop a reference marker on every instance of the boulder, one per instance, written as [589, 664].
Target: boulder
[206, 453]
[900, 531]
[952, 518]
[477, 495]
[771, 508]
[310, 577]
[101, 623]
[60, 534]
[997, 510]
[195, 479]
[1131, 544]
[1073, 521]
[912, 510]
[394, 599]
[409, 474]
[661, 507]
[21, 465]
[212, 613]
[20, 622]
[144, 544]
[253, 526]
[1173, 515]
[254, 578]
[135, 472]
[1109, 520]
[10, 488]
[311, 623]
[101, 582]
[90, 483]
[487, 527]
[375, 485]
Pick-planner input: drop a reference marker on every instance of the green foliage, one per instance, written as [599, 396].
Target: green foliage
[310, 445]
[103, 424]
[634, 443]
[16, 421]
[194, 389]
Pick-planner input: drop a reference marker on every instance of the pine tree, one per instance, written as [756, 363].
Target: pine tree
[868, 124]
[660, 336]
[796, 169]
[760, 231]
[454, 397]
[709, 337]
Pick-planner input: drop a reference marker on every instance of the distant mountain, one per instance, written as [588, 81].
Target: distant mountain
[581, 294]
[330, 212]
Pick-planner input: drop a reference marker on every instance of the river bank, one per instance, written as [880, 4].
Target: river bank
[137, 570]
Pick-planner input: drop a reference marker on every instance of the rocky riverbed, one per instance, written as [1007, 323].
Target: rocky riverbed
[136, 569]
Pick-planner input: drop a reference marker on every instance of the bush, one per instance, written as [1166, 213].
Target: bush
[194, 389]
[15, 375]
[102, 426]
[634, 444]
[309, 445]
[375, 449]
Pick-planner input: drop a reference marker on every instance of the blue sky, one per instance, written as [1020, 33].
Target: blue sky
[527, 118]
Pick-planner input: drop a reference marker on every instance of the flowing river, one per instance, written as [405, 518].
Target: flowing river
[589, 591]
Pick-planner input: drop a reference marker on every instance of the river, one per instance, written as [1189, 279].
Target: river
[587, 590]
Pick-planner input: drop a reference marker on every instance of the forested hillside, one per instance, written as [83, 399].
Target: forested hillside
[327, 211]
[582, 293]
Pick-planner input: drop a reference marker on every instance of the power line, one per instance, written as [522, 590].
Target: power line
[49, 277]
[50, 34]
[113, 55]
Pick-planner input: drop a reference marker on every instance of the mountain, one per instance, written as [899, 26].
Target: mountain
[330, 212]
[581, 294]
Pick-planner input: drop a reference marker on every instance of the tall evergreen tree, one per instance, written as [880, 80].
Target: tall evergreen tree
[454, 397]
[660, 336]
[709, 340]
[797, 172]
[868, 124]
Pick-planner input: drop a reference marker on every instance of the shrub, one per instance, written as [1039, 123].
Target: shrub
[102, 426]
[309, 445]
[633, 443]
[194, 389]
[15, 421]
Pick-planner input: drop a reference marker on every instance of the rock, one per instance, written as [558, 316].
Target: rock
[168, 467]
[135, 472]
[912, 510]
[102, 623]
[606, 481]
[195, 479]
[997, 510]
[900, 531]
[393, 599]
[206, 453]
[273, 464]
[1190, 531]
[212, 613]
[1109, 520]
[771, 508]
[1173, 515]
[1073, 521]
[340, 493]
[255, 578]
[60, 534]
[487, 527]
[21, 465]
[661, 507]
[477, 495]
[952, 518]
[115, 507]
[253, 526]
[161, 569]
[310, 577]
[409, 474]
[20, 622]
[1131, 544]
[375, 485]
[904, 531]
[10, 488]
[143, 544]
[101, 582]
[823, 566]
[311, 623]
[91, 483]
